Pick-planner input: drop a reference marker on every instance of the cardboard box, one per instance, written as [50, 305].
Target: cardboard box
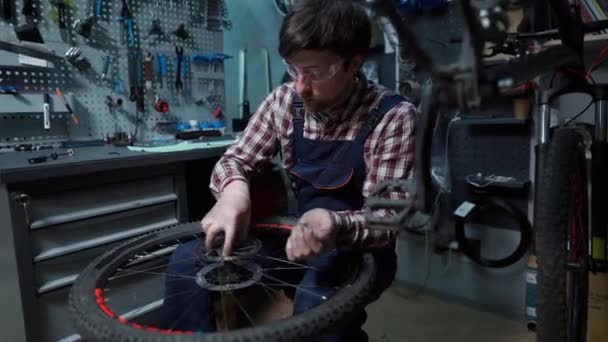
[597, 327]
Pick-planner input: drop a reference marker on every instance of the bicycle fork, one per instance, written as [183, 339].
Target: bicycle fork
[599, 174]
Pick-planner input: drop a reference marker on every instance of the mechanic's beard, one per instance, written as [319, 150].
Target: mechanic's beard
[315, 106]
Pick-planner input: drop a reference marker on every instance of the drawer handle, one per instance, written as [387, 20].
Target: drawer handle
[24, 199]
[103, 240]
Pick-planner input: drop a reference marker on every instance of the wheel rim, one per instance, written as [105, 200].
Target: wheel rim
[252, 274]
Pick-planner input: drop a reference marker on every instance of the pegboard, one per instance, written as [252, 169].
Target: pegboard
[203, 85]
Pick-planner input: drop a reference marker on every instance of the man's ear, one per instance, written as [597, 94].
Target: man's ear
[355, 63]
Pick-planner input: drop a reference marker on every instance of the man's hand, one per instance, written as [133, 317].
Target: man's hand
[231, 214]
[314, 234]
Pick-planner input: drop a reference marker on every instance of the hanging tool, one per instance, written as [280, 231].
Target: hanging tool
[161, 106]
[118, 86]
[98, 8]
[185, 66]
[67, 106]
[179, 51]
[22, 50]
[161, 68]
[243, 84]
[126, 25]
[107, 66]
[266, 56]
[148, 71]
[131, 65]
[54, 156]
[62, 18]
[46, 112]
[11, 90]
[211, 58]
[28, 10]
[29, 32]
[181, 32]
[7, 9]
[155, 30]
[75, 57]
[84, 26]
[140, 82]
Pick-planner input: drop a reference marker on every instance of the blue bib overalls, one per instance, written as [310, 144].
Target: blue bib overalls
[328, 175]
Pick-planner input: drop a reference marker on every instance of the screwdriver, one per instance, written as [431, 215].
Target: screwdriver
[67, 105]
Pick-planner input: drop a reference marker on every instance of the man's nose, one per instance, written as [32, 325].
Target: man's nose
[302, 84]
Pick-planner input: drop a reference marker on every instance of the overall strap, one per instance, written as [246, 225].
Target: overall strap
[375, 116]
[297, 110]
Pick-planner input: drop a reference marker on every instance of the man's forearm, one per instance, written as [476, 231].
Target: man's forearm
[353, 232]
[224, 173]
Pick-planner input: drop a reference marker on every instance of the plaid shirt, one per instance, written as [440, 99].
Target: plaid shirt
[388, 151]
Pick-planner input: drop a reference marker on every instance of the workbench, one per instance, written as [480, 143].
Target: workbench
[57, 216]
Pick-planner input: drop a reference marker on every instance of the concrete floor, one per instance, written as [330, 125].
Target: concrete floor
[399, 317]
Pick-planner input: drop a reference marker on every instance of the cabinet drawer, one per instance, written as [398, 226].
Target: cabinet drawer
[76, 236]
[138, 297]
[60, 207]
[53, 274]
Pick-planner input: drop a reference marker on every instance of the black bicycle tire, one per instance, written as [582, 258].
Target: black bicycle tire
[95, 325]
[551, 234]
[495, 204]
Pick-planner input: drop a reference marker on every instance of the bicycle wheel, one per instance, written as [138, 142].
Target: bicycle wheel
[561, 241]
[103, 298]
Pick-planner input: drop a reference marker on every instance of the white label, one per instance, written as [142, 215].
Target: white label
[531, 278]
[531, 311]
[464, 209]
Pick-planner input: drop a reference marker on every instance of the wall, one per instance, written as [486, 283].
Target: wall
[255, 27]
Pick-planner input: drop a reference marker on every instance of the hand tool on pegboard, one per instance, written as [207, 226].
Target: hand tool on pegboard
[98, 6]
[179, 53]
[140, 82]
[155, 30]
[149, 71]
[160, 105]
[23, 50]
[46, 112]
[84, 26]
[107, 66]
[7, 9]
[67, 106]
[126, 25]
[29, 11]
[61, 14]
[161, 68]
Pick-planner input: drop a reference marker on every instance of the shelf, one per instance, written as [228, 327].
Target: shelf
[592, 42]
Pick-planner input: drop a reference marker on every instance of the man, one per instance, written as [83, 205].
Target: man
[338, 134]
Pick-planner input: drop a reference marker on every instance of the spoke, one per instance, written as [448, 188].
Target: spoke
[238, 302]
[156, 267]
[185, 311]
[224, 314]
[307, 286]
[284, 268]
[180, 293]
[266, 288]
[153, 273]
[285, 283]
[289, 262]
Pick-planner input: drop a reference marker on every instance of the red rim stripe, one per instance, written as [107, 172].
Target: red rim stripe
[274, 225]
[102, 305]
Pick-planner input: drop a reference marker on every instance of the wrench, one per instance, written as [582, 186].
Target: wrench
[178, 73]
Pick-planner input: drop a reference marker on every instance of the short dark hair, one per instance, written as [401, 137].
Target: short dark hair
[340, 26]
